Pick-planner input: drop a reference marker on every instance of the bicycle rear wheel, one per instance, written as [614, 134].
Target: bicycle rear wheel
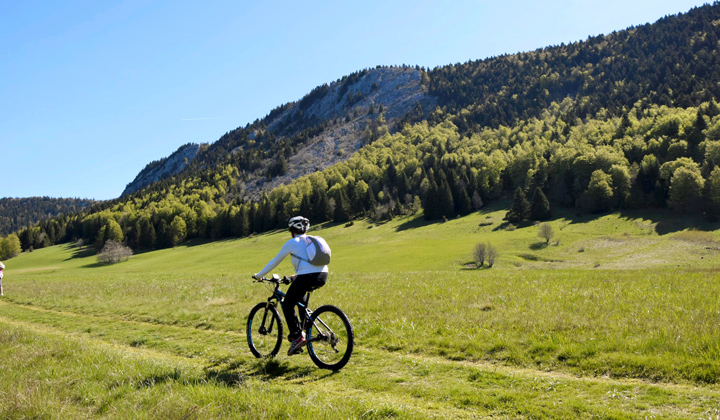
[330, 338]
[264, 330]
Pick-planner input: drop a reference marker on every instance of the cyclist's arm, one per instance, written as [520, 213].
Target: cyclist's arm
[284, 252]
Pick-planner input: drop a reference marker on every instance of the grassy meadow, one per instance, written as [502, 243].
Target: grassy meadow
[617, 317]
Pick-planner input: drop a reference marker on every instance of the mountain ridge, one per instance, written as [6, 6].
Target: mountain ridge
[344, 110]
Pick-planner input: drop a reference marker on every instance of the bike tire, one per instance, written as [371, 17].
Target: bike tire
[330, 348]
[264, 330]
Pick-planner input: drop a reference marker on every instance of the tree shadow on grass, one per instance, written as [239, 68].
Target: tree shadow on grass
[539, 245]
[508, 226]
[415, 222]
[80, 252]
[474, 267]
[654, 220]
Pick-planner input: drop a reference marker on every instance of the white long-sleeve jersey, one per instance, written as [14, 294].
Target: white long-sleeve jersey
[296, 247]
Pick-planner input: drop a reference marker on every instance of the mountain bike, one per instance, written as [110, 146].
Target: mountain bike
[327, 329]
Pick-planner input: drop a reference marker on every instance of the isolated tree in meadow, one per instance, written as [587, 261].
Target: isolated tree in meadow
[491, 255]
[479, 254]
[113, 252]
[540, 207]
[546, 232]
[520, 207]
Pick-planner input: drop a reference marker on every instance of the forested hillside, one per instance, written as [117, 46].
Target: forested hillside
[18, 213]
[673, 62]
[626, 120]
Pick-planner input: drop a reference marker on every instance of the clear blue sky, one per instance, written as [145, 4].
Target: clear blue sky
[92, 91]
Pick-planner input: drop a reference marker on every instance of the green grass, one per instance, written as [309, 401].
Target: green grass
[616, 318]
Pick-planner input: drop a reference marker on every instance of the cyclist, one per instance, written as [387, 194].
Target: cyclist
[308, 277]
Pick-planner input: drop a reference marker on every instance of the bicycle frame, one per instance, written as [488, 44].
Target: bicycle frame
[279, 296]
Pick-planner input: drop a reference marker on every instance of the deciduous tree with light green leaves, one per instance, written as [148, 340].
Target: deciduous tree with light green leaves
[686, 190]
[178, 230]
[713, 194]
[10, 247]
[111, 231]
[599, 195]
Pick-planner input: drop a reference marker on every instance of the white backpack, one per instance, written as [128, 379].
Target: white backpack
[318, 251]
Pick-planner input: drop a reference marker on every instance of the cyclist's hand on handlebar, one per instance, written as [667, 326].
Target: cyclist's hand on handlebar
[256, 277]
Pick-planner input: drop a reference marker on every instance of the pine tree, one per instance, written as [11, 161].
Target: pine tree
[465, 205]
[305, 206]
[164, 235]
[147, 235]
[342, 207]
[520, 207]
[540, 208]
[320, 206]
[391, 171]
[430, 200]
[446, 202]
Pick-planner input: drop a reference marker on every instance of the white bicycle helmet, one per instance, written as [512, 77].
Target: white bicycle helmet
[299, 224]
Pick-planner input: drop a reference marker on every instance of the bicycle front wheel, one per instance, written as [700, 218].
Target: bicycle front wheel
[264, 330]
[330, 338]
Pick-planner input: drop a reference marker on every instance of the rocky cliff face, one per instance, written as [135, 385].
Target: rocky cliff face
[348, 104]
[346, 108]
[163, 168]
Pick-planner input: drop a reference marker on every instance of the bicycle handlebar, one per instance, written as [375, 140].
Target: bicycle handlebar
[274, 279]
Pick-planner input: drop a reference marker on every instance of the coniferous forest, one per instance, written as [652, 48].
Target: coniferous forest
[18, 213]
[627, 120]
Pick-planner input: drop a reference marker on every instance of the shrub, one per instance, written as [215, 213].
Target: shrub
[479, 254]
[491, 255]
[113, 252]
[546, 232]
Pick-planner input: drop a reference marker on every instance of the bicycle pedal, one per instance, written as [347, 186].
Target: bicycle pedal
[298, 351]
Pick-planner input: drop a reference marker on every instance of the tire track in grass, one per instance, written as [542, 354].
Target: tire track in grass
[240, 335]
[395, 382]
[375, 402]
